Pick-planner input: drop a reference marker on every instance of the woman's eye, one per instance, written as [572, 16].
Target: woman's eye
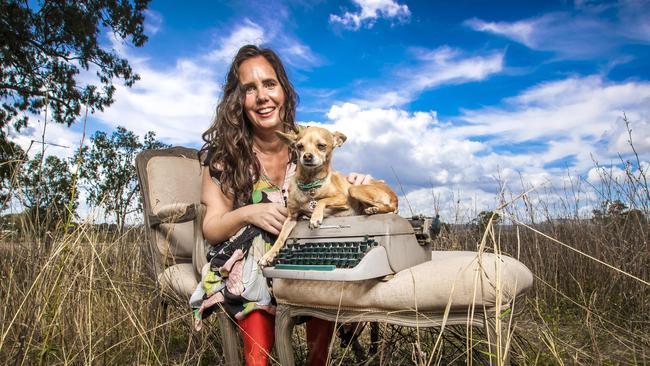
[321, 146]
[270, 84]
[249, 89]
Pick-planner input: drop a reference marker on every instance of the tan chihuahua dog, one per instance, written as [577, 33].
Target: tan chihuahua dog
[317, 191]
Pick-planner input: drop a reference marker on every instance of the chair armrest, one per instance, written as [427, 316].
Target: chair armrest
[174, 213]
[198, 254]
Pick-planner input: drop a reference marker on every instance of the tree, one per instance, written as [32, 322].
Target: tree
[47, 191]
[480, 223]
[109, 171]
[45, 44]
[11, 156]
[617, 214]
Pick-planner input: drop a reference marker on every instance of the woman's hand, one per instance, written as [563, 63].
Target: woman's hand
[358, 178]
[267, 216]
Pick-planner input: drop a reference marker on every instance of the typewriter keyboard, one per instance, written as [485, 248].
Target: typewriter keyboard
[323, 256]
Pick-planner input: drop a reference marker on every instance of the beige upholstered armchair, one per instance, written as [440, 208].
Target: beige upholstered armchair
[170, 182]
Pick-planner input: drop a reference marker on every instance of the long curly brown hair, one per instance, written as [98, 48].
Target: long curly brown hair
[228, 148]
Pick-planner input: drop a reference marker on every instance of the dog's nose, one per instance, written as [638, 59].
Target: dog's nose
[308, 157]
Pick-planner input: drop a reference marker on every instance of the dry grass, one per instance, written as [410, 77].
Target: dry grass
[89, 298]
[581, 311]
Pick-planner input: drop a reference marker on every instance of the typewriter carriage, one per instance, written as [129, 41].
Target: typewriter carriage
[377, 245]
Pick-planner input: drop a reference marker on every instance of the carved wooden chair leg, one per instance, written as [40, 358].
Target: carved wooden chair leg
[230, 341]
[284, 323]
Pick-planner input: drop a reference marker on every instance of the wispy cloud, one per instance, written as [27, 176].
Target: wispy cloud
[298, 55]
[153, 22]
[434, 68]
[60, 140]
[369, 12]
[446, 65]
[266, 31]
[177, 102]
[247, 33]
[272, 25]
[584, 33]
[574, 116]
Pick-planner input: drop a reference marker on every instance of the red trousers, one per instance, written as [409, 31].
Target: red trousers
[258, 333]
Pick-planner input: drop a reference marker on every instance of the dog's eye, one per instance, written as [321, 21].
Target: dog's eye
[299, 146]
[321, 146]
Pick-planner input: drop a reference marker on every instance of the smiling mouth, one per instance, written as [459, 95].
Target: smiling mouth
[265, 112]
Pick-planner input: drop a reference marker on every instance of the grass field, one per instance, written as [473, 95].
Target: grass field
[87, 297]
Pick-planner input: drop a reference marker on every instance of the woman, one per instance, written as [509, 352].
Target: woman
[246, 174]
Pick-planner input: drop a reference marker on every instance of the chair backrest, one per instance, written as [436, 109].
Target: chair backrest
[169, 177]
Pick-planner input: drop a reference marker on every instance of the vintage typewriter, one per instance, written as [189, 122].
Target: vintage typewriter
[354, 248]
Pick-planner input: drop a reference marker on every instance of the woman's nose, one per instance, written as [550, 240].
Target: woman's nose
[262, 95]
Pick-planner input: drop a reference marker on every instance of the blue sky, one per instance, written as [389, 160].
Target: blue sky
[452, 97]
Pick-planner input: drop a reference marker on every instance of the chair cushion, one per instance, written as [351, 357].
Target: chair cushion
[175, 241]
[449, 276]
[179, 280]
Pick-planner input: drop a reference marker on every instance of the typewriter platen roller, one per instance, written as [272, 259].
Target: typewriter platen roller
[352, 248]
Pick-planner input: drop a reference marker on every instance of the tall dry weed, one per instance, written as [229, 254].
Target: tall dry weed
[89, 299]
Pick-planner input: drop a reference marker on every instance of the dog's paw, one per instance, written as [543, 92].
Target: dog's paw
[266, 259]
[371, 210]
[315, 222]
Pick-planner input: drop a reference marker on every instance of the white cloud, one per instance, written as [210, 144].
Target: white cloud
[446, 65]
[569, 36]
[415, 146]
[247, 33]
[597, 175]
[370, 11]
[634, 20]
[297, 54]
[441, 66]
[153, 22]
[520, 31]
[177, 103]
[454, 205]
[273, 19]
[470, 158]
[574, 116]
[60, 140]
[292, 50]
[581, 34]
[619, 138]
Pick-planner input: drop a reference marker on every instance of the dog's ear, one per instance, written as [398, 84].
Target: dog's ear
[339, 139]
[287, 138]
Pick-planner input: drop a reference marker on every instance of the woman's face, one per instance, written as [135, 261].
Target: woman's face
[264, 101]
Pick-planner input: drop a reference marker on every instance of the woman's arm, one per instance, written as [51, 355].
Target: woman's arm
[359, 178]
[221, 221]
